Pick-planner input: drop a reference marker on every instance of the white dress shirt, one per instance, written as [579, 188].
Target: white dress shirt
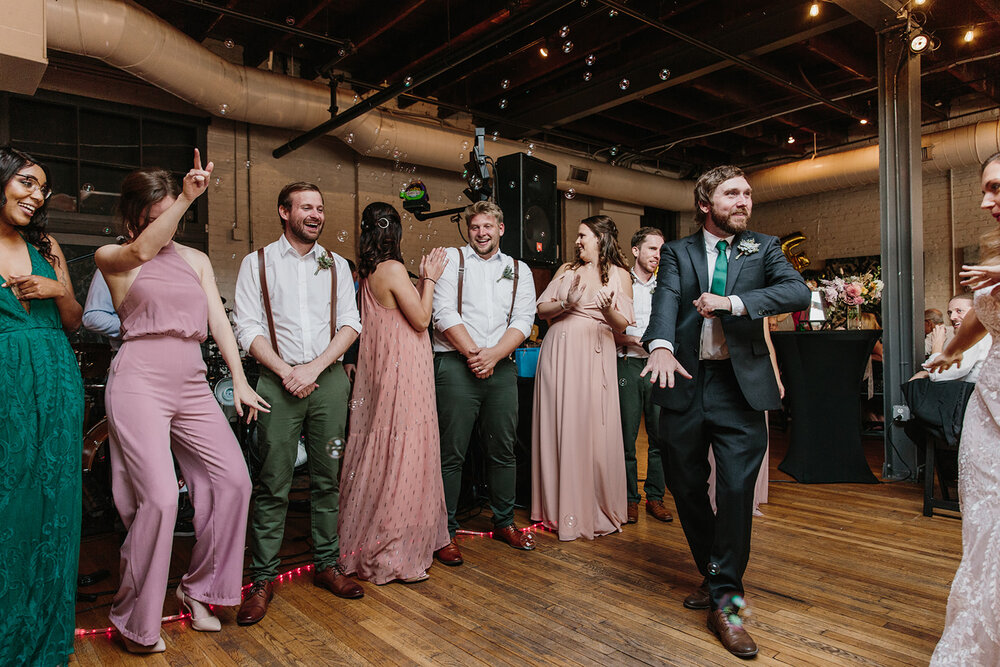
[642, 305]
[300, 301]
[486, 298]
[713, 340]
[99, 314]
[972, 363]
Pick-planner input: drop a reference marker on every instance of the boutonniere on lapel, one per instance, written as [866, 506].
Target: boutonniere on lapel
[323, 262]
[508, 274]
[747, 247]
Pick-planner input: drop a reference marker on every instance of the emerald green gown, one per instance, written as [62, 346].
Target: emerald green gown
[41, 422]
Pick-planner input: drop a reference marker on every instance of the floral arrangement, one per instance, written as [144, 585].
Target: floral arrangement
[850, 295]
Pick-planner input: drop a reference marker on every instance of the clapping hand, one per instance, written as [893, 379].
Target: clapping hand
[432, 265]
[605, 297]
[978, 277]
[196, 180]
[576, 291]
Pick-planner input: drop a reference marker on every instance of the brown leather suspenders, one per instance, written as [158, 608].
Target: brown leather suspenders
[267, 298]
[461, 282]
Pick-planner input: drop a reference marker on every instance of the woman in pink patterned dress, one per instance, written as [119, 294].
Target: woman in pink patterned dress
[392, 511]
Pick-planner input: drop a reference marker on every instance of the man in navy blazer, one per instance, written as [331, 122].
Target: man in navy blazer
[712, 375]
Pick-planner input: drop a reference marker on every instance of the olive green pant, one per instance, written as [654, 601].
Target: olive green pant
[635, 396]
[465, 402]
[322, 415]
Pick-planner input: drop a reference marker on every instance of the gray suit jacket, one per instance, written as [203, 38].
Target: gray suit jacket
[766, 283]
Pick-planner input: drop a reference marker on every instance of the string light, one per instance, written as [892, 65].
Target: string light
[281, 578]
[814, 9]
[791, 139]
[863, 121]
[970, 35]
[543, 51]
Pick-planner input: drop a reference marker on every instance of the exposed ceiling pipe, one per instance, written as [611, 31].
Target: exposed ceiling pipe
[127, 36]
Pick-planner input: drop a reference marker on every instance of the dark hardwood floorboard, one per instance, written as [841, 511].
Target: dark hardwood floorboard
[842, 574]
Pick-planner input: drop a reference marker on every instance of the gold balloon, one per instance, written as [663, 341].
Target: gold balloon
[788, 244]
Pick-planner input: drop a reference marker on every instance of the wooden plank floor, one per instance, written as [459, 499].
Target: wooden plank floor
[839, 575]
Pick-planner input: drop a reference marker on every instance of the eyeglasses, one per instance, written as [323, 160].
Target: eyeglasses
[30, 182]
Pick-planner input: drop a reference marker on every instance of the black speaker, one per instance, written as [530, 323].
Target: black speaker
[527, 195]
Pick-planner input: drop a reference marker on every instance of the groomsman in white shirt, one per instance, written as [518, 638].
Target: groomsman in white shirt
[296, 314]
[635, 395]
[484, 307]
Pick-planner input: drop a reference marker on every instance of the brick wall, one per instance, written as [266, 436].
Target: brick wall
[845, 223]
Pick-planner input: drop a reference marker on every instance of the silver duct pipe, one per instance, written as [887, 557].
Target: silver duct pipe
[127, 36]
[130, 38]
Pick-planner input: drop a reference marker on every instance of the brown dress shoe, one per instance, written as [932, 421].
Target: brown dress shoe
[514, 537]
[449, 554]
[729, 629]
[255, 603]
[700, 599]
[658, 511]
[632, 513]
[334, 580]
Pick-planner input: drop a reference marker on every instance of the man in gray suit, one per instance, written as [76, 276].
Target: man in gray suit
[712, 376]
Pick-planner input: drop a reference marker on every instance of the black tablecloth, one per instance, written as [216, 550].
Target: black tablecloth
[822, 373]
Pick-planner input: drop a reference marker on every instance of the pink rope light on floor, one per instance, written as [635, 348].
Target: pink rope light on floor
[111, 631]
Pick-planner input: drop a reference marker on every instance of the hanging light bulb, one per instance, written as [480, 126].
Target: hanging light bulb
[791, 139]
[814, 9]
[970, 35]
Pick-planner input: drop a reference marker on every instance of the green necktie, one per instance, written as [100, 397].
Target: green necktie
[721, 269]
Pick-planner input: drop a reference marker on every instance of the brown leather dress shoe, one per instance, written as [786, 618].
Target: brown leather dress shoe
[255, 603]
[731, 634]
[334, 580]
[632, 513]
[514, 537]
[658, 510]
[700, 599]
[449, 554]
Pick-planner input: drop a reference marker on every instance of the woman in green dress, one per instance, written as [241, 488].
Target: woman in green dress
[41, 421]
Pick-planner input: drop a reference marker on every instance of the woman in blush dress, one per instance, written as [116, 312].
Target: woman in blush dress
[971, 635]
[159, 402]
[41, 424]
[392, 510]
[577, 452]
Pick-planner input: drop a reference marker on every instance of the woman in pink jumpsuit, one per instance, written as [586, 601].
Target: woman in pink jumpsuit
[157, 394]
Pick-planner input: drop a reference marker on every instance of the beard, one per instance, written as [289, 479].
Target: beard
[725, 222]
[494, 242]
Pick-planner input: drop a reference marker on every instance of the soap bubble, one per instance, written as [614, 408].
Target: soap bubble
[87, 187]
[408, 81]
[624, 84]
[342, 236]
[612, 13]
[664, 74]
[290, 20]
[335, 448]
[588, 75]
[496, 135]
[570, 194]
[505, 84]
[350, 137]
[567, 46]
[229, 43]
[503, 103]
[564, 32]
[223, 109]
[590, 59]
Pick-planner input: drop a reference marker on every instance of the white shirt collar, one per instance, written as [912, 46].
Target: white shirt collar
[652, 279]
[711, 240]
[470, 252]
[284, 247]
